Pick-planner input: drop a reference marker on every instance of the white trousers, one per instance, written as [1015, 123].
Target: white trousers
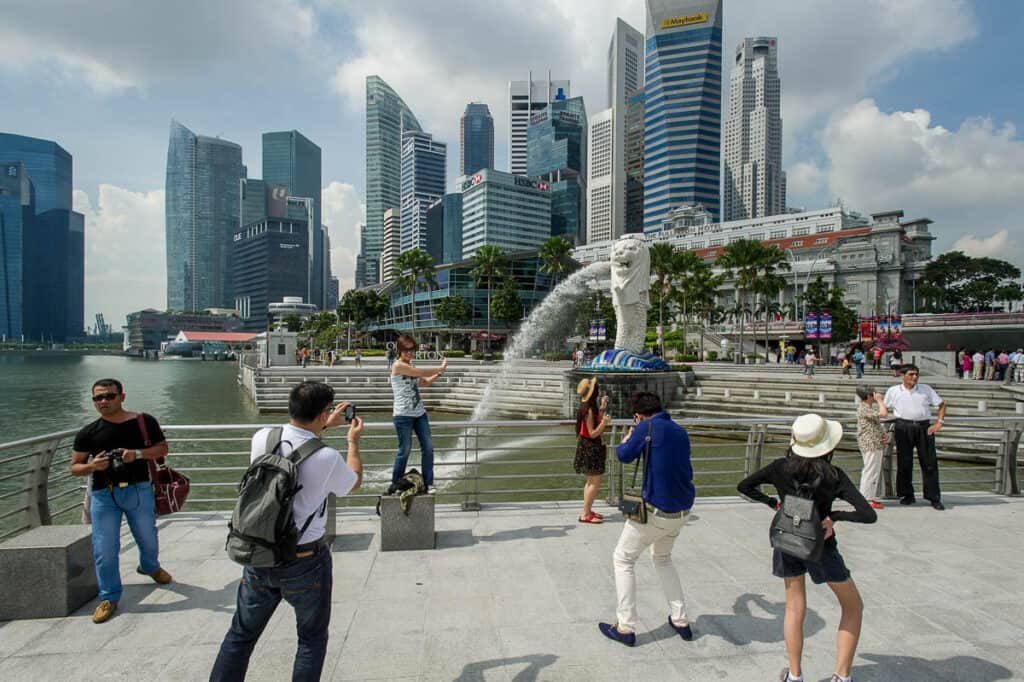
[659, 534]
[871, 474]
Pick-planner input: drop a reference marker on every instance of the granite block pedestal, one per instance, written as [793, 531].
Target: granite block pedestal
[47, 572]
[399, 531]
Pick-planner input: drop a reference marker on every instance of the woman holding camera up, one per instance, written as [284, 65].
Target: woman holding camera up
[409, 412]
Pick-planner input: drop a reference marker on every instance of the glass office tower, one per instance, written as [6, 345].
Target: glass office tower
[292, 160]
[387, 116]
[683, 107]
[476, 130]
[423, 180]
[556, 154]
[202, 213]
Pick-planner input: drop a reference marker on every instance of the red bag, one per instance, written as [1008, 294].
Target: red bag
[170, 486]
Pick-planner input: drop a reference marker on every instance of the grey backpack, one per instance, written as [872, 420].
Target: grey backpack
[262, 532]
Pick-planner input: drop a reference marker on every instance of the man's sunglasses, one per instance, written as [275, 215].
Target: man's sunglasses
[105, 396]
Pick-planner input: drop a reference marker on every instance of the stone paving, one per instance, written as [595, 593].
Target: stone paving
[515, 593]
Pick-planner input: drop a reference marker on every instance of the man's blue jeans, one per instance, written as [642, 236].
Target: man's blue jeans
[305, 584]
[105, 509]
[860, 369]
[404, 426]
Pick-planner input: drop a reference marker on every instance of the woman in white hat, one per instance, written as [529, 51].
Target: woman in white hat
[808, 462]
[591, 452]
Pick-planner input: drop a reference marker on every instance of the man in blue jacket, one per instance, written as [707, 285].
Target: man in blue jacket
[668, 493]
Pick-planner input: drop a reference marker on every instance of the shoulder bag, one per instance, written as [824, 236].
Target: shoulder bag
[631, 505]
[170, 486]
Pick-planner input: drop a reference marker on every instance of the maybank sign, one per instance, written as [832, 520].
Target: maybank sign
[688, 20]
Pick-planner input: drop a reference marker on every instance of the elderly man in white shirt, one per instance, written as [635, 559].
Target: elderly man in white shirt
[911, 403]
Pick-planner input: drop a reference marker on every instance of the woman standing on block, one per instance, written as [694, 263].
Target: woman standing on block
[808, 463]
[409, 413]
[591, 453]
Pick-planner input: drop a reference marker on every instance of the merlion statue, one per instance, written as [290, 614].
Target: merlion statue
[631, 278]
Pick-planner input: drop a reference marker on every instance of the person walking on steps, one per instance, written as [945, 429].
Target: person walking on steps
[911, 404]
[808, 462]
[591, 453]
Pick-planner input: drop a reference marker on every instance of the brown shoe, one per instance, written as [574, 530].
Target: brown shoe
[104, 611]
[159, 575]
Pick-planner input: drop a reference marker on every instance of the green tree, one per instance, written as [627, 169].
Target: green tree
[662, 255]
[490, 264]
[361, 307]
[955, 281]
[453, 311]
[417, 268]
[820, 298]
[556, 258]
[754, 266]
[507, 305]
[292, 323]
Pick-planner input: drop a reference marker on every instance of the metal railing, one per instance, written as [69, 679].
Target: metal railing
[491, 461]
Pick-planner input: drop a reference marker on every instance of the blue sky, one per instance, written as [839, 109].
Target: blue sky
[886, 104]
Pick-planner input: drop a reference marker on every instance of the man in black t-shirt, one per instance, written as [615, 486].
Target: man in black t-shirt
[113, 451]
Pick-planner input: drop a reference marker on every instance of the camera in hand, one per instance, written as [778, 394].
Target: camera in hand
[116, 461]
[350, 413]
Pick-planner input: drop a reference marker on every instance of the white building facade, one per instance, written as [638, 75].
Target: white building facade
[604, 202]
[392, 244]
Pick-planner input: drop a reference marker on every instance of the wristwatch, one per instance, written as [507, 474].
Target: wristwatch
[138, 453]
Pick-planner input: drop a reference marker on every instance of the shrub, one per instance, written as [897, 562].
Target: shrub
[455, 354]
[681, 367]
[478, 356]
[712, 355]
[557, 356]
[687, 357]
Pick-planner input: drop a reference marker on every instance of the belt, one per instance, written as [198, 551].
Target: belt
[310, 548]
[663, 514]
[919, 422]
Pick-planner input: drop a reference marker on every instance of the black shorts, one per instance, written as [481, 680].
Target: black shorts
[829, 569]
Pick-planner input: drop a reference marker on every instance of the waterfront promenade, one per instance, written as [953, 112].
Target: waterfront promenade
[514, 592]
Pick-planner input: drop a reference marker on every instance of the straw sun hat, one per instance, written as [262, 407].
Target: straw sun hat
[814, 436]
[585, 388]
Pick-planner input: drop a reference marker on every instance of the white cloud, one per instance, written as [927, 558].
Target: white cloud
[343, 212]
[132, 44]
[968, 180]
[125, 263]
[998, 245]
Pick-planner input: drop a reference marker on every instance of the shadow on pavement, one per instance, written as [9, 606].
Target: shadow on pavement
[352, 542]
[910, 669]
[743, 627]
[464, 538]
[474, 672]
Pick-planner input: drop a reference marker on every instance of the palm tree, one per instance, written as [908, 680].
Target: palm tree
[702, 291]
[556, 258]
[661, 267]
[753, 264]
[685, 266]
[491, 263]
[769, 307]
[416, 265]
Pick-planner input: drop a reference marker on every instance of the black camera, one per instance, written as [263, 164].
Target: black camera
[116, 461]
[350, 413]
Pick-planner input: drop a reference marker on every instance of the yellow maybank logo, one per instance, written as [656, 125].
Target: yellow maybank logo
[688, 20]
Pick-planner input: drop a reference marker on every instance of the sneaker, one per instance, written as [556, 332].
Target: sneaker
[159, 576]
[431, 490]
[938, 506]
[611, 631]
[684, 631]
[104, 611]
[875, 504]
[909, 499]
[784, 675]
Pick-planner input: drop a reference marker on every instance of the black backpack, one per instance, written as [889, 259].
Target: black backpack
[796, 529]
[262, 532]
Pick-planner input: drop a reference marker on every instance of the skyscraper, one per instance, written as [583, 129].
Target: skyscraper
[509, 211]
[202, 213]
[292, 160]
[526, 98]
[392, 244]
[625, 76]
[423, 180]
[683, 108]
[755, 184]
[476, 133]
[635, 162]
[557, 155]
[600, 177]
[42, 242]
[387, 116]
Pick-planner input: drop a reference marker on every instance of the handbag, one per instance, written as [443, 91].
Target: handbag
[796, 529]
[633, 507]
[170, 486]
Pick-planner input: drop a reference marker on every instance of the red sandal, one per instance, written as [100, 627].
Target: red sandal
[590, 518]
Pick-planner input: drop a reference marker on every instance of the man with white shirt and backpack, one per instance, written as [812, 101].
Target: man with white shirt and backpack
[277, 529]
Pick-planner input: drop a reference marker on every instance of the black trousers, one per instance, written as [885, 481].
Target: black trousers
[908, 436]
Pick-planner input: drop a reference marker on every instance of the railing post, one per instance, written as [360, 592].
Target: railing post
[37, 507]
[1007, 474]
[754, 449]
[613, 470]
[888, 482]
[331, 529]
[472, 504]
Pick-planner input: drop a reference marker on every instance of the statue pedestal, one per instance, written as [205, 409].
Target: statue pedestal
[620, 387]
